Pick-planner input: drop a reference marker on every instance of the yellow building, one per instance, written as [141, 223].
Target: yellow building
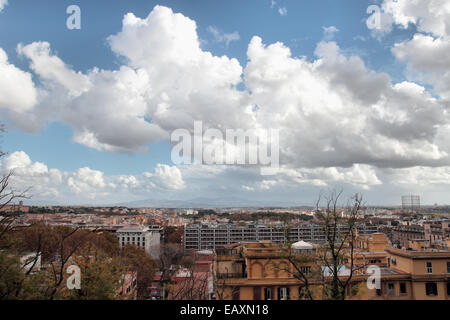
[263, 271]
[256, 271]
[371, 250]
[428, 270]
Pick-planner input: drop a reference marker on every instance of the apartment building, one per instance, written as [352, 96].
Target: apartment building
[210, 236]
[401, 235]
[147, 237]
[261, 271]
[437, 233]
[370, 250]
[428, 270]
[128, 286]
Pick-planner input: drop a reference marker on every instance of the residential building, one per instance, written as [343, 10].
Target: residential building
[262, 271]
[128, 286]
[212, 236]
[371, 250]
[437, 233]
[428, 270]
[401, 235]
[146, 237]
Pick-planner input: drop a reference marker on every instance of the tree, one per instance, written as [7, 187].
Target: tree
[173, 234]
[320, 272]
[170, 256]
[337, 251]
[7, 196]
[102, 277]
[55, 246]
[301, 266]
[137, 260]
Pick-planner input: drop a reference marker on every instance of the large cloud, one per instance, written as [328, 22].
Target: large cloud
[339, 120]
[426, 54]
[336, 112]
[17, 91]
[3, 3]
[429, 16]
[85, 183]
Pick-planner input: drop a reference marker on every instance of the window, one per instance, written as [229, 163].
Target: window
[431, 288]
[402, 288]
[236, 293]
[267, 293]
[448, 267]
[256, 293]
[283, 293]
[379, 292]
[374, 261]
[429, 267]
[448, 288]
[394, 261]
[305, 270]
[391, 289]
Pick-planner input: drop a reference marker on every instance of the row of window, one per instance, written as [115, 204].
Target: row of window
[391, 289]
[431, 289]
[430, 267]
[283, 293]
[133, 239]
[135, 243]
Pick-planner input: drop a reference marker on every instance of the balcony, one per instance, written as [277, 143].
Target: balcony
[230, 275]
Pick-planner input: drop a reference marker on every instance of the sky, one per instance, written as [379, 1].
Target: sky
[358, 91]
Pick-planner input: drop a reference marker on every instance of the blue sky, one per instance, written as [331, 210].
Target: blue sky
[300, 28]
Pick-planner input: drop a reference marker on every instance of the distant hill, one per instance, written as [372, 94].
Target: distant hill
[225, 202]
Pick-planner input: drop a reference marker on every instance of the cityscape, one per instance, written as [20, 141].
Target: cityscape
[216, 151]
[236, 253]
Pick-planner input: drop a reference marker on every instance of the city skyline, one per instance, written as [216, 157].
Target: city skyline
[90, 112]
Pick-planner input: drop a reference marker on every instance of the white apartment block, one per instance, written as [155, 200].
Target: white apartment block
[143, 237]
[213, 236]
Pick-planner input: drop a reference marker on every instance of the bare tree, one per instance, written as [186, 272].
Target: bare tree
[300, 266]
[194, 283]
[170, 256]
[7, 197]
[320, 272]
[223, 290]
[69, 241]
[339, 228]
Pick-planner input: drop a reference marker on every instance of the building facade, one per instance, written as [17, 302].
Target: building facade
[201, 237]
[401, 235]
[261, 271]
[428, 272]
[147, 237]
[437, 233]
